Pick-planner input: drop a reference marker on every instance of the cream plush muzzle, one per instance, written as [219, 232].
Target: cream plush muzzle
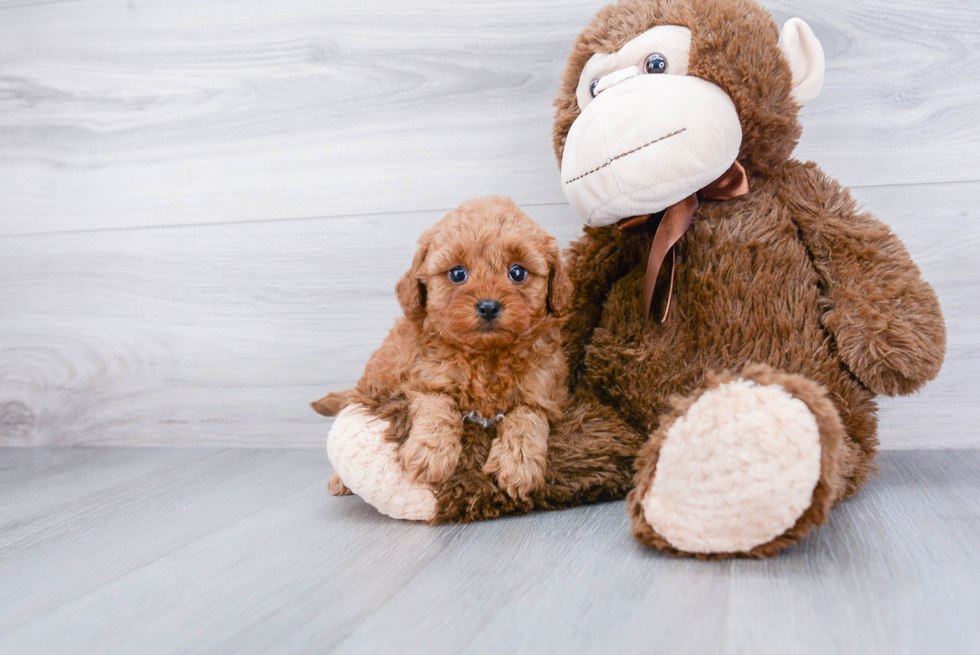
[646, 143]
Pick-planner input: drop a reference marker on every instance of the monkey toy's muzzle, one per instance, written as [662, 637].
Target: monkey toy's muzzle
[646, 143]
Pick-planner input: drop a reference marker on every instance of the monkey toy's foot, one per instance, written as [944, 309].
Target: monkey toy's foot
[744, 466]
[369, 466]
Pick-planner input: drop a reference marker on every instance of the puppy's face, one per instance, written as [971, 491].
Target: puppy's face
[486, 276]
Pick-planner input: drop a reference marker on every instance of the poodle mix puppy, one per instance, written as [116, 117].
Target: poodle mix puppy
[479, 343]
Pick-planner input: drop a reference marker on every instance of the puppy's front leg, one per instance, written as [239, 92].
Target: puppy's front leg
[519, 453]
[432, 449]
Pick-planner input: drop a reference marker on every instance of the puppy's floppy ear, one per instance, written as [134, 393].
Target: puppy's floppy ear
[559, 284]
[410, 288]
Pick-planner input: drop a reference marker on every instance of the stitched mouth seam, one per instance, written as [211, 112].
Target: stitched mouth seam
[628, 152]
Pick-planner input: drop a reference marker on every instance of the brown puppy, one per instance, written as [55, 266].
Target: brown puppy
[480, 342]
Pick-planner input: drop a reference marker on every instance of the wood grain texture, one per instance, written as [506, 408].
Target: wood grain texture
[221, 335]
[51, 551]
[184, 112]
[940, 226]
[208, 335]
[218, 121]
[244, 551]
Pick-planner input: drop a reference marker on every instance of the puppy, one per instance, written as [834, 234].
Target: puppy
[479, 342]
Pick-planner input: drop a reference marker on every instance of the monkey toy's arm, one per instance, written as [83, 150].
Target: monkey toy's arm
[595, 262]
[884, 318]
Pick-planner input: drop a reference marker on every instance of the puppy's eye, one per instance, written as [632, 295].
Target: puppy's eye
[517, 273]
[592, 87]
[458, 275]
[655, 63]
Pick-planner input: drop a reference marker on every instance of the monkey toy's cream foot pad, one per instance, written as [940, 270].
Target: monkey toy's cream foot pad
[369, 466]
[735, 471]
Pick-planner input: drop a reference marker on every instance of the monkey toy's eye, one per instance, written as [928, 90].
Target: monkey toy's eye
[592, 87]
[656, 63]
[517, 273]
[458, 275]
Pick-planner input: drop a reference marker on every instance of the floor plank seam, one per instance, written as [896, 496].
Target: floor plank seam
[459, 530]
[216, 530]
[107, 496]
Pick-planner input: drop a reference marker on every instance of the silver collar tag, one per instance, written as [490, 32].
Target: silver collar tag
[474, 417]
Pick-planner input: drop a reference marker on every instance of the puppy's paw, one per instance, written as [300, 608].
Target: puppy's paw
[517, 475]
[432, 450]
[336, 486]
[429, 458]
[519, 454]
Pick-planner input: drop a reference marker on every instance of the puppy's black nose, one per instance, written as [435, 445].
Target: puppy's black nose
[488, 309]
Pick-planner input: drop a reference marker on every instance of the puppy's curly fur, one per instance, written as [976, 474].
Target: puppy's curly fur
[445, 359]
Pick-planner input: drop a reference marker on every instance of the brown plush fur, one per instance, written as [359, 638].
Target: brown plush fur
[590, 459]
[788, 285]
[442, 360]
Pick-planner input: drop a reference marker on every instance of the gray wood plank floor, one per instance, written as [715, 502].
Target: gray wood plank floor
[198, 550]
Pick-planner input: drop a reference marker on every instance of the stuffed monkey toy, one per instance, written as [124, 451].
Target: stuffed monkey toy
[734, 313]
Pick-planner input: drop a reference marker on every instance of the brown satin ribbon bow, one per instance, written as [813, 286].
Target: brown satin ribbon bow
[676, 219]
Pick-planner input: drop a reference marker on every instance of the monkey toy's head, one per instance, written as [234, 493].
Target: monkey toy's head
[661, 97]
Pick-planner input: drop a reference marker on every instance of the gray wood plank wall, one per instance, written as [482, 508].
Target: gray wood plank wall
[204, 205]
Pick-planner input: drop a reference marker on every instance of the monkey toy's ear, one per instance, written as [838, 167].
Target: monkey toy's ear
[410, 288]
[806, 60]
